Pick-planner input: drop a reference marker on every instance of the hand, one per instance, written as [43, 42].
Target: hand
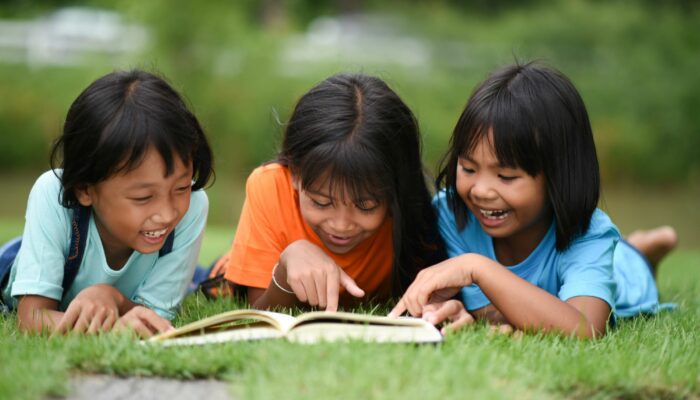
[452, 310]
[435, 284]
[94, 309]
[143, 321]
[219, 267]
[313, 276]
[505, 329]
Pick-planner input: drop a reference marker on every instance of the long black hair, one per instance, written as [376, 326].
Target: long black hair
[540, 124]
[114, 121]
[355, 131]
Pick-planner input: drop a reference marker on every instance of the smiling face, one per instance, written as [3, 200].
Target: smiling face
[138, 209]
[510, 205]
[341, 224]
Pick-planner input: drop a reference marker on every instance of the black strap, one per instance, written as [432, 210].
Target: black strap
[80, 223]
[168, 245]
[79, 231]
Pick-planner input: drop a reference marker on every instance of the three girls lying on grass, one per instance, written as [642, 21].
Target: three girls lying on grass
[113, 232]
[343, 215]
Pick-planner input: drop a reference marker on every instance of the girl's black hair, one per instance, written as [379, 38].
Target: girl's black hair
[115, 120]
[540, 124]
[355, 132]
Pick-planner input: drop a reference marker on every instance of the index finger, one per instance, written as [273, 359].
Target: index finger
[332, 289]
[398, 309]
[68, 320]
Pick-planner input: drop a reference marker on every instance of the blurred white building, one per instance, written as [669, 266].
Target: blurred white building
[358, 39]
[70, 36]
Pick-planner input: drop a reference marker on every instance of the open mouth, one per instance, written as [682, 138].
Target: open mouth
[494, 214]
[155, 234]
[340, 240]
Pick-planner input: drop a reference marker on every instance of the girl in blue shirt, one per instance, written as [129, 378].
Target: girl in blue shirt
[113, 232]
[529, 249]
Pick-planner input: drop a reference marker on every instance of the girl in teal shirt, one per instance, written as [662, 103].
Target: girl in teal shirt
[113, 232]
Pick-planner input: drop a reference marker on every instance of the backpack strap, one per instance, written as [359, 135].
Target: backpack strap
[168, 245]
[78, 238]
[80, 223]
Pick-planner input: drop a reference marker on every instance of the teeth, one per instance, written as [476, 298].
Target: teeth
[155, 234]
[494, 214]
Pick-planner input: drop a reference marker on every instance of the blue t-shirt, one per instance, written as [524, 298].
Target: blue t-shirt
[597, 264]
[159, 283]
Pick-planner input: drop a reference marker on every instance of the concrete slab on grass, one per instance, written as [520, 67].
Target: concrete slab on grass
[105, 387]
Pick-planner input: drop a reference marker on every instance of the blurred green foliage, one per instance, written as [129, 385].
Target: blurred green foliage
[635, 63]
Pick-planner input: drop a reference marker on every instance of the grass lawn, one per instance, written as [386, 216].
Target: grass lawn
[656, 357]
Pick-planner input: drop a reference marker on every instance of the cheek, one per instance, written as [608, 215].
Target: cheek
[462, 186]
[374, 221]
[183, 204]
[310, 215]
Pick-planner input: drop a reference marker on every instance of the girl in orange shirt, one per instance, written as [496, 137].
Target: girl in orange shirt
[343, 214]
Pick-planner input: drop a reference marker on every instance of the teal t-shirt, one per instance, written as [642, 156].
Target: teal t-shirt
[597, 263]
[159, 283]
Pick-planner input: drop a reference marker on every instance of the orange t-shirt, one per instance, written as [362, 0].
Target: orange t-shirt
[271, 220]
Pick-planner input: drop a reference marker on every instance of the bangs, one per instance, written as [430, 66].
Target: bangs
[508, 123]
[346, 171]
[124, 143]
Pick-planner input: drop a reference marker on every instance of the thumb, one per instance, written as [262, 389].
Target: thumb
[349, 284]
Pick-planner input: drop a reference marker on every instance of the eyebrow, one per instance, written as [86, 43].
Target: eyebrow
[145, 185]
[317, 193]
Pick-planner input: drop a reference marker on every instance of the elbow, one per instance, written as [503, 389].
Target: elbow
[590, 331]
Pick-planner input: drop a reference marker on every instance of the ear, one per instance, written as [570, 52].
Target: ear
[296, 183]
[84, 195]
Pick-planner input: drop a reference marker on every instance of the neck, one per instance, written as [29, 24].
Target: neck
[516, 248]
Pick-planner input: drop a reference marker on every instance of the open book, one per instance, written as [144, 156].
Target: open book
[310, 327]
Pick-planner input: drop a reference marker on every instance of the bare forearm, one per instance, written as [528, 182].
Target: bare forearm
[528, 307]
[490, 314]
[271, 297]
[37, 314]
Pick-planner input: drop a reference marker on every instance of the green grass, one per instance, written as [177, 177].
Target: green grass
[655, 357]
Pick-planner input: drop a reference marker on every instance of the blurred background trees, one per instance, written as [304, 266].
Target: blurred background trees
[243, 64]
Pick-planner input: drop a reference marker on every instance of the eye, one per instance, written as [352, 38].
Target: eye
[319, 204]
[141, 199]
[467, 170]
[183, 189]
[507, 178]
[367, 206]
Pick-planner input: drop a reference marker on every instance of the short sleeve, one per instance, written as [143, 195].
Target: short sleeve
[586, 268]
[38, 268]
[259, 238]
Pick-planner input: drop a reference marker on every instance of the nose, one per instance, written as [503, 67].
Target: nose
[166, 212]
[483, 190]
[341, 221]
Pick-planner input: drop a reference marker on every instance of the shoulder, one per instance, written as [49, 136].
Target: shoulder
[442, 207]
[199, 200]
[46, 193]
[440, 200]
[601, 237]
[270, 181]
[48, 182]
[601, 226]
[269, 174]
[199, 203]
